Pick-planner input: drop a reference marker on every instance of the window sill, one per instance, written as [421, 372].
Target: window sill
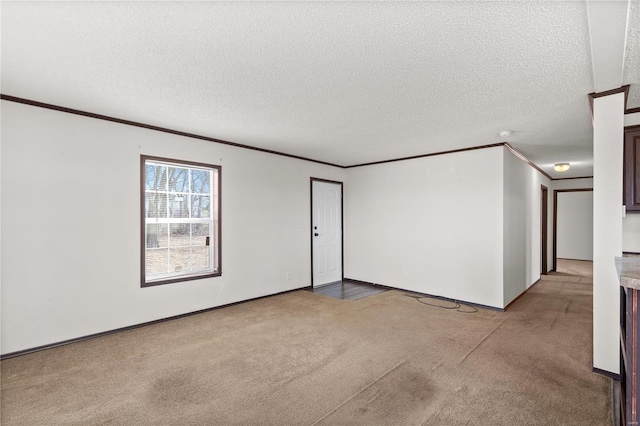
[179, 279]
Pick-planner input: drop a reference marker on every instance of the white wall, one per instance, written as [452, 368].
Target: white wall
[585, 183]
[631, 222]
[70, 217]
[572, 183]
[522, 226]
[608, 112]
[432, 225]
[632, 119]
[70, 226]
[575, 225]
[631, 233]
[1, 274]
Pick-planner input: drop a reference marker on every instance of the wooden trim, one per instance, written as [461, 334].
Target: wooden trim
[453, 151]
[44, 105]
[554, 231]
[535, 166]
[609, 374]
[578, 260]
[631, 252]
[217, 228]
[311, 228]
[575, 190]
[629, 170]
[526, 160]
[514, 151]
[634, 357]
[311, 180]
[577, 177]
[133, 327]
[621, 89]
[221, 141]
[544, 230]
[141, 212]
[337, 182]
[493, 308]
[555, 220]
[155, 128]
[632, 110]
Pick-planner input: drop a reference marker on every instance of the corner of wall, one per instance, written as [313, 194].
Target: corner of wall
[522, 221]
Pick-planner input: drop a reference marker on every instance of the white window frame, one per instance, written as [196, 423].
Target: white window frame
[213, 239]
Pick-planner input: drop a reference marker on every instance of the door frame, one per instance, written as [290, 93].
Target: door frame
[555, 220]
[311, 180]
[544, 229]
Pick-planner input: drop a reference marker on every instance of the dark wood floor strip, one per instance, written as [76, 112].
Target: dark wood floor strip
[346, 290]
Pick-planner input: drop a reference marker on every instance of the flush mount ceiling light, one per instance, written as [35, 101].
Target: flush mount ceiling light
[561, 167]
[505, 133]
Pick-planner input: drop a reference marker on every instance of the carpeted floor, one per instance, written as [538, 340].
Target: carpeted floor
[575, 267]
[306, 359]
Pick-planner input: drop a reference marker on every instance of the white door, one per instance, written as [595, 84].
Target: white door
[326, 232]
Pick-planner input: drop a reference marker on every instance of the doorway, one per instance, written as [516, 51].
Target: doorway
[544, 213]
[572, 227]
[326, 232]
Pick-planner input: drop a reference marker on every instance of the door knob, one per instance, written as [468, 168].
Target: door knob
[315, 235]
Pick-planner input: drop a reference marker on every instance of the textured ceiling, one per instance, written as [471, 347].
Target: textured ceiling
[632, 55]
[346, 83]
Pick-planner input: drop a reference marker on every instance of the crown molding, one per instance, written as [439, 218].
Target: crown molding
[622, 89]
[576, 177]
[268, 151]
[156, 128]
[413, 157]
[526, 160]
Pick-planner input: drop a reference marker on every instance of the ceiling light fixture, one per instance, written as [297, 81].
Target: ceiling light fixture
[505, 133]
[561, 167]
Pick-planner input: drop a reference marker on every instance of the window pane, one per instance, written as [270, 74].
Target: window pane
[156, 177]
[180, 259]
[157, 235]
[156, 253]
[155, 204]
[178, 179]
[180, 235]
[157, 261]
[201, 257]
[200, 181]
[199, 234]
[200, 205]
[178, 205]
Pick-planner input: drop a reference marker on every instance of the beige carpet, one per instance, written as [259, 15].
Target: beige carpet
[306, 359]
[575, 267]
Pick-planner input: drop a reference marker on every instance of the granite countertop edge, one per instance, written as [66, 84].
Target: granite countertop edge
[628, 271]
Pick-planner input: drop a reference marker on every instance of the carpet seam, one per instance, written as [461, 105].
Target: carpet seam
[479, 343]
[358, 393]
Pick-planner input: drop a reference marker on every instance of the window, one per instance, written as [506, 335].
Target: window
[180, 221]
